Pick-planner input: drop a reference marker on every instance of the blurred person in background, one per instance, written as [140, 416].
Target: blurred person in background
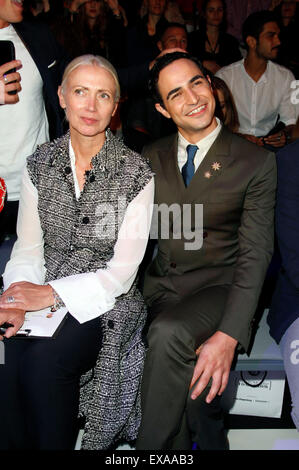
[141, 41]
[30, 116]
[239, 10]
[94, 27]
[262, 88]
[211, 44]
[142, 123]
[287, 18]
[225, 106]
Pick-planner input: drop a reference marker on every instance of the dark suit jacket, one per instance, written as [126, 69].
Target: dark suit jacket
[50, 61]
[238, 210]
[284, 308]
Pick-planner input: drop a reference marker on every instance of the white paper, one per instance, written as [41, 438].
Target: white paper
[42, 323]
[264, 400]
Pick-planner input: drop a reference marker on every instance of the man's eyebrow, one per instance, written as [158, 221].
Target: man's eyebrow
[196, 78]
[172, 92]
[175, 90]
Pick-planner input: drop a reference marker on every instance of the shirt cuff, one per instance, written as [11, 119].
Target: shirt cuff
[71, 290]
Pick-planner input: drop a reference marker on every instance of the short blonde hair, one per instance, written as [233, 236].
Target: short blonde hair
[89, 59]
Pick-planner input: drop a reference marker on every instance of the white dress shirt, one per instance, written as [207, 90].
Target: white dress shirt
[203, 145]
[259, 103]
[91, 294]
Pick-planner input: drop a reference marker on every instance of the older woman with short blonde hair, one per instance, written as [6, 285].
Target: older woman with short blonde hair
[83, 226]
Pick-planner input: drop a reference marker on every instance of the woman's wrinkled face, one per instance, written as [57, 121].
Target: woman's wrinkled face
[88, 98]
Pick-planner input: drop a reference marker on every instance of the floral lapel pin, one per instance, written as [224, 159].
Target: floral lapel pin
[216, 166]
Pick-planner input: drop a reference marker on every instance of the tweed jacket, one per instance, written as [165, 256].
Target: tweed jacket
[110, 393]
[236, 185]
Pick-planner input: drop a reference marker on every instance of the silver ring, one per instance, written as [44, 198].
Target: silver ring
[5, 79]
[10, 299]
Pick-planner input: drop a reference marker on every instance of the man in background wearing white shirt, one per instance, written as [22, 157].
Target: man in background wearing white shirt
[260, 87]
[32, 115]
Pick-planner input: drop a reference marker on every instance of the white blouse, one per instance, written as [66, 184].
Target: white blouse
[90, 294]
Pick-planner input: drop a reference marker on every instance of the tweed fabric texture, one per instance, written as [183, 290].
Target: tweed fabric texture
[110, 393]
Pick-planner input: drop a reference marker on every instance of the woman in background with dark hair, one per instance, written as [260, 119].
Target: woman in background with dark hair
[287, 17]
[210, 43]
[95, 27]
[226, 109]
[141, 40]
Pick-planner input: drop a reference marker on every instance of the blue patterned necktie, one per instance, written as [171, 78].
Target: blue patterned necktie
[188, 168]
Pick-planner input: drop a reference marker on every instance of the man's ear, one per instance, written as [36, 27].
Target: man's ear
[160, 46]
[162, 110]
[251, 42]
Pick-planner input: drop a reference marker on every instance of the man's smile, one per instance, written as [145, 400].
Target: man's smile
[198, 110]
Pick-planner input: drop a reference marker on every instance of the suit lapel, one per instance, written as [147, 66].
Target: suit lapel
[31, 45]
[171, 172]
[212, 167]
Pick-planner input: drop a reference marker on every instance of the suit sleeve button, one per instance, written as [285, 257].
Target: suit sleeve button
[111, 324]
[85, 220]
[173, 265]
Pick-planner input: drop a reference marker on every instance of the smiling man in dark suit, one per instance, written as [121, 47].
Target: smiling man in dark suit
[201, 299]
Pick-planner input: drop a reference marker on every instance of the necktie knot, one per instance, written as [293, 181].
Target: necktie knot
[188, 168]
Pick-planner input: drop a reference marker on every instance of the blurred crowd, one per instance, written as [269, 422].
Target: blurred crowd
[127, 31]
[132, 33]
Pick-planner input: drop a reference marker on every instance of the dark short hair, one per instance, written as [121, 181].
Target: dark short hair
[254, 24]
[166, 26]
[163, 62]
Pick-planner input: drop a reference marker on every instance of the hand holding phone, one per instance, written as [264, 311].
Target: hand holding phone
[9, 77]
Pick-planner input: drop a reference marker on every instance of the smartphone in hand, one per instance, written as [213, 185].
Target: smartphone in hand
[7, 54]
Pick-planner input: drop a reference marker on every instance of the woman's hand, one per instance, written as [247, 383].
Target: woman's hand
[15, 317]
[113, 4]
[117, 10]
[75, 4]
[27, 296]
[10, 82]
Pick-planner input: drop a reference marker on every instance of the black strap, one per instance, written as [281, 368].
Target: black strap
[256, 385]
